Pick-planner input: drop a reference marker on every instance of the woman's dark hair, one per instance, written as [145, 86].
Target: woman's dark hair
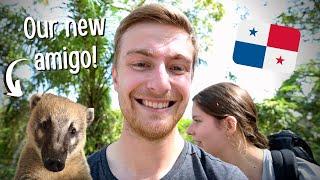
[227, 99]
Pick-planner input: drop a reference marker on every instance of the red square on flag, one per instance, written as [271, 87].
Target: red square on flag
[284, 38]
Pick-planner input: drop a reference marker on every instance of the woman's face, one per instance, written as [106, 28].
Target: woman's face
[207, 132]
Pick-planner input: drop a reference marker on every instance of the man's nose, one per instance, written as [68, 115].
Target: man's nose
[159, 82]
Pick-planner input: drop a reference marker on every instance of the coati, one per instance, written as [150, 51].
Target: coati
[56, 134]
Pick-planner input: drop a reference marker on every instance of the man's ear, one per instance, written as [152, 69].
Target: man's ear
[34, 100]
[115, 77]
[230, 124]
[90, 116]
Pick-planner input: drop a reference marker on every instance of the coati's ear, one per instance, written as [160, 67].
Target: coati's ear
[90, 116]
[34, 100]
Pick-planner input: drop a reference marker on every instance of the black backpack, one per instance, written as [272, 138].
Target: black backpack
[285, 146]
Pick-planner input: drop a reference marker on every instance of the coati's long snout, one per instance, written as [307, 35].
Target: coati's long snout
[53, 160]
[55, 141]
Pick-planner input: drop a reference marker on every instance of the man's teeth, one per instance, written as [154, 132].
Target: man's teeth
[155, 105]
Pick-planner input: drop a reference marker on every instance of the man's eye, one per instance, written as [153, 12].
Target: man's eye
[140, 66]
[178, 69]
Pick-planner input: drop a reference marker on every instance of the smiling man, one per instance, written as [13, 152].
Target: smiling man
[155, 53]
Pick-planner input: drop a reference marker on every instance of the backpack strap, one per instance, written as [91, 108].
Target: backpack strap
[284, 164]
[303, 150]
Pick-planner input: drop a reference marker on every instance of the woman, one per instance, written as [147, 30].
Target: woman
[225, 125]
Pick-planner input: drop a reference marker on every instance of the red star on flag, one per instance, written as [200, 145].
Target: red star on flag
[279, 60]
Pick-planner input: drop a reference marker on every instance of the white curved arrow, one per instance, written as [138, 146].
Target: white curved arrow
[14, 89]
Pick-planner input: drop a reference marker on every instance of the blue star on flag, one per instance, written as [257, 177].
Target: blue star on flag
[253, 32]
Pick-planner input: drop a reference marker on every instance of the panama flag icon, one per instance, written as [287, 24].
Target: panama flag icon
[267, 46]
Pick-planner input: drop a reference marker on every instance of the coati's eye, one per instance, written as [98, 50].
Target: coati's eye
[44, 125]
[72, 129]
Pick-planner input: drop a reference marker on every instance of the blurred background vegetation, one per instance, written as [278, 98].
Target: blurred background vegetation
[293, 107]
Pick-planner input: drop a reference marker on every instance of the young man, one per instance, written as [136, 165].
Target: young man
[155, 53]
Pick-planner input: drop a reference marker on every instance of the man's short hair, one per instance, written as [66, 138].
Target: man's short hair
[155, 13]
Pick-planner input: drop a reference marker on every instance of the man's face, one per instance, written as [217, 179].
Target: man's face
[153, 77]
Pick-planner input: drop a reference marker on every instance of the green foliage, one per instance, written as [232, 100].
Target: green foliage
[101, 133]
[13, 121]
[183, 125]
[296, 106]
[7, 172]
[304, 15]
[203, 16]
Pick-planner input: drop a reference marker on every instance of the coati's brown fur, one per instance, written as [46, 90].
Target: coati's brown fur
[56, 135]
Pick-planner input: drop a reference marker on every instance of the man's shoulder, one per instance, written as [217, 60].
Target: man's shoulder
[98, 165]
[96, 157]
[205, 165]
